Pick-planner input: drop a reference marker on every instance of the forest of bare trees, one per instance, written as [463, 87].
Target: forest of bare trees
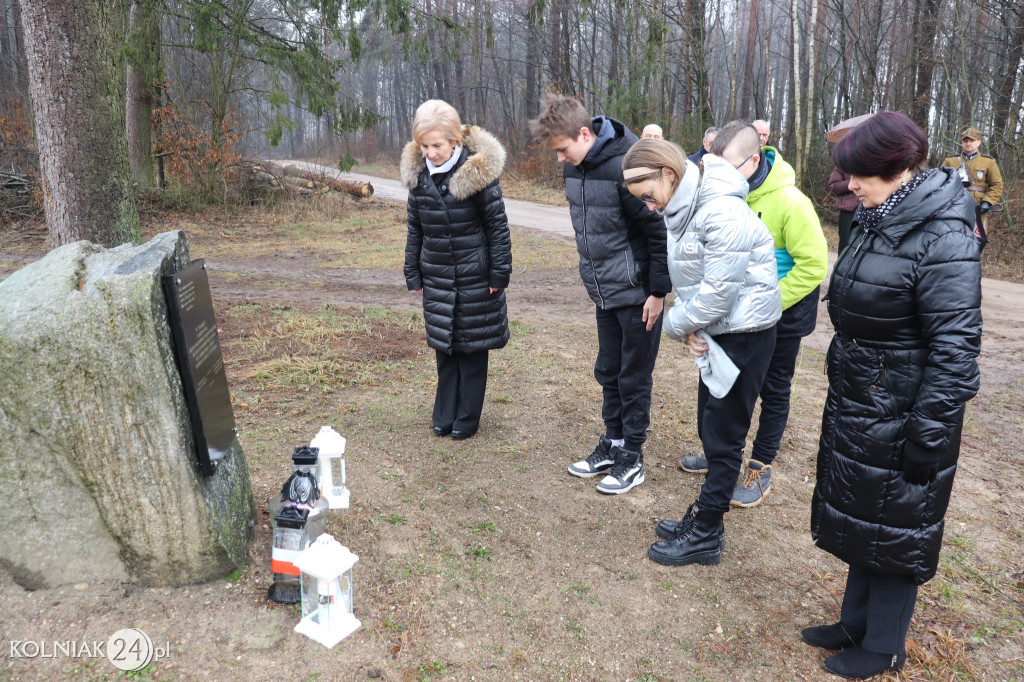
[341, 79]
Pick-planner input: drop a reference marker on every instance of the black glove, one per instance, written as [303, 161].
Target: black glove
[920, 466]
[986, 207]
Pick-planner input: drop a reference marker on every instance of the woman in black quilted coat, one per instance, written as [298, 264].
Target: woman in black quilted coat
[459, 253]
[905, 302]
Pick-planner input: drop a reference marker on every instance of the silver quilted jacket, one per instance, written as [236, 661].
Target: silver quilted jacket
[721, 257]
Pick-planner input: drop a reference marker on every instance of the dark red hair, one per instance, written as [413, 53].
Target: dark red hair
[885, 145]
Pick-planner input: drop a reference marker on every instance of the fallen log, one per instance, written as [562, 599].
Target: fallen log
[354, 187]
[299, 183]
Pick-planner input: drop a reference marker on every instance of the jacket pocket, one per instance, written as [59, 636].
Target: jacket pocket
[882, 390]
[631, 274]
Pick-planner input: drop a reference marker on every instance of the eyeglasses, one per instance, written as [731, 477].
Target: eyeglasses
[649, 197]
[744, 161]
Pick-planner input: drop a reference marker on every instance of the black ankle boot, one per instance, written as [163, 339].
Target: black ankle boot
[860, 664]
[832, 637]
[666, 530]
[698, 541]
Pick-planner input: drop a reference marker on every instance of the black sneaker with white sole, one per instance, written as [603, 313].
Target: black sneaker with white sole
[626, 474]
[600, 461]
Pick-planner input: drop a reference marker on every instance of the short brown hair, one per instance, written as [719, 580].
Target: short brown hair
[656, 155]
[739, 133]
[885, 145]
[562, 117]
[436, 114]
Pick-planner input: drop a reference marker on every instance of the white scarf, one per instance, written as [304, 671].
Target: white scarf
[447, 165]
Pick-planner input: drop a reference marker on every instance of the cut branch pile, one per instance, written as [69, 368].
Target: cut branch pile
[16, 196]
[301, 181]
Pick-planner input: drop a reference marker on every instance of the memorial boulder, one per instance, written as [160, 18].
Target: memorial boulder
[99, 473]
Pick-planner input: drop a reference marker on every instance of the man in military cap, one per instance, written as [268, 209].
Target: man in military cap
[981, 177]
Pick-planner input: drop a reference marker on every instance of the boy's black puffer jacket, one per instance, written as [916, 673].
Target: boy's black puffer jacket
[905, 300]
[622, 245]
[458, 245]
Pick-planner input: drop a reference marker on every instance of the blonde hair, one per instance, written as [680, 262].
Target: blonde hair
[436, 114]
[655, 155]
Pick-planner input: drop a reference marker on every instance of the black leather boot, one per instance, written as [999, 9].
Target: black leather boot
[666, 530]
[698, 542]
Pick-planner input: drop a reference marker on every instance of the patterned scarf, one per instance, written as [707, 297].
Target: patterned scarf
[869, 218]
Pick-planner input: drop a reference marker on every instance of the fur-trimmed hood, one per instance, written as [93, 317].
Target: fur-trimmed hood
[484, 165]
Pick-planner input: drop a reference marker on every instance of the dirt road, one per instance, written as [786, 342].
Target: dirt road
[522, 213]
[1003, 305]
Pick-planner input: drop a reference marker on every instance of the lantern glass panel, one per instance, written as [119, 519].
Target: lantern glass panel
[332, 472]
[290, 538]
[316, 522]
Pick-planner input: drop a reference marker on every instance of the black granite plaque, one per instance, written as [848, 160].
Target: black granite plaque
[190, 314]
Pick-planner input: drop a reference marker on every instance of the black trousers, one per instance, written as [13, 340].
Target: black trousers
[845, 225]
[461, 384]
[775, 392]
[722, 423]
[624, 368]
[881, 605]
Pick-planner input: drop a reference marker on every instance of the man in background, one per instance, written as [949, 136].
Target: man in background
[764, 130]
[981, 176]
[652, 131]
[709, 138]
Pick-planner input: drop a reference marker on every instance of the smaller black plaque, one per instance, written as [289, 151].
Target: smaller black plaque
[194, 327]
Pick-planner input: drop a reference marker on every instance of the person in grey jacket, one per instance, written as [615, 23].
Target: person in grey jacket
[721, 260]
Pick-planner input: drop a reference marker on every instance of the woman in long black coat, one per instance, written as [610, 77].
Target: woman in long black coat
[905, 302]
[459, 253]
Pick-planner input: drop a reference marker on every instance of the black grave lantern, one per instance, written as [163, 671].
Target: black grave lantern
[298, 518]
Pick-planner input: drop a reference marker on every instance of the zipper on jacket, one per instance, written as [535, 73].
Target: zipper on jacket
[846, 280]
[885, 376]
[586, 242]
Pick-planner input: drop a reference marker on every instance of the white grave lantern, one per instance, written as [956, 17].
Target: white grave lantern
[327, 615]
[331, 467]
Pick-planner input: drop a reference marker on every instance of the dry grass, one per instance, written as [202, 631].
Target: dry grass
[331, 232]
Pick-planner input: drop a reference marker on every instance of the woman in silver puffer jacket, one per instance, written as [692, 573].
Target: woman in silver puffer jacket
[721, 259]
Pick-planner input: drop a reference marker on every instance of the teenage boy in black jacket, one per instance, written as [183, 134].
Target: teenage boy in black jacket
[622, 247]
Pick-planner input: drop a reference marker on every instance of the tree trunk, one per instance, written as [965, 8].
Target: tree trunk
[698, 51]
[13, 67]
[143, 64]
[793, 137]
[7, 71]
[1002, 134]
[747, 101]
[809, 104]
[532, 104]
[78, 93]
[924, 42]
[733, 106]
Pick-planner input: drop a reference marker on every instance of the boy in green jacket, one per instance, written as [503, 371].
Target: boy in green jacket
[801, 254]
